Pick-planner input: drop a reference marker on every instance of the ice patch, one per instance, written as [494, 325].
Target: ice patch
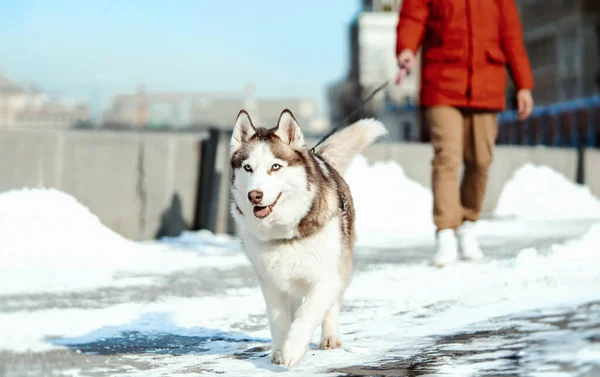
[208, 317]
[198, 240]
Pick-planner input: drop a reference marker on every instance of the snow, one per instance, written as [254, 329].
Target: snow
[41, 252]
[393, 307]
[49, 242]
[220, 243]
[537, 192]
[391, 208]
[25, 331]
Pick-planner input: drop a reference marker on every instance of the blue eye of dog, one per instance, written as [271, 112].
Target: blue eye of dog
[247, 168]
[276, 167]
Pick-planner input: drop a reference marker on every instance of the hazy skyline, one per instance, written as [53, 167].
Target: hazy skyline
[93, 50]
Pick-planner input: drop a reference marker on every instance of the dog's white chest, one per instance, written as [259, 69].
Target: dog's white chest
[296, 265]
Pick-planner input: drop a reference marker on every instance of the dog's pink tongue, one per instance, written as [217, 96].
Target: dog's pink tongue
[262, 212]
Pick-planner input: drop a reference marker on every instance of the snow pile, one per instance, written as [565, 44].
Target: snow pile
[390, 207]
[578, 252]
[534, 279]
[50, 242]
[540, 193]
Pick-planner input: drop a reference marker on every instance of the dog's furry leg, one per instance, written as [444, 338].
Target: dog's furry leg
[330, 337]
[278, 315]
[295, 303]
[308, 316]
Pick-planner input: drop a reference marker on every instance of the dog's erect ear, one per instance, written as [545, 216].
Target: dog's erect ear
[242, 131]
[289, 131]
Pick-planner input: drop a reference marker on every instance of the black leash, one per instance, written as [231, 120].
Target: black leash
[344, 123]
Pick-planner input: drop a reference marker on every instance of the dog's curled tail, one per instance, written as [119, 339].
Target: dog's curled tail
[341, 147]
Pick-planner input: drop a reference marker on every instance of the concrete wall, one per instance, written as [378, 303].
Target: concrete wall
[507, 159]
[131, 181]
[415, 159]
[591, 169]
[143, 184]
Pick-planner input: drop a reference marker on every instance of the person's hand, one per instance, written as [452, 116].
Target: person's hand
[525, 103]
[406, 60]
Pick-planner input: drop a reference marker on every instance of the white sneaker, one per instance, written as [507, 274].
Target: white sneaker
[469, 247]
[447, 248]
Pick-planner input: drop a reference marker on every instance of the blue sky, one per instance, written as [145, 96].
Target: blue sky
[93, 50]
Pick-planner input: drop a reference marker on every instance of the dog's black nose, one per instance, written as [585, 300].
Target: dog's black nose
[255, 196]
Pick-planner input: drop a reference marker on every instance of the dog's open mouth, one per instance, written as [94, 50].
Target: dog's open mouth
[262, 212]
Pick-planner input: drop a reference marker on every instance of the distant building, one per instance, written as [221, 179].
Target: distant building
[377, 61]
[372, 62]
[206, 109]
[562, 38]
[30, 108]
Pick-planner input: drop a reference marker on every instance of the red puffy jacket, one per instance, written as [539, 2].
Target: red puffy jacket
[466, 45]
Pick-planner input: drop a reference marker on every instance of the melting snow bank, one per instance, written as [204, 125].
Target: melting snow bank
[49, 242]
[540, 193]
[391, 208]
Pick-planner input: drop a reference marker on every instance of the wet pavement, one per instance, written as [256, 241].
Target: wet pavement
[499, 347]
[505, 346]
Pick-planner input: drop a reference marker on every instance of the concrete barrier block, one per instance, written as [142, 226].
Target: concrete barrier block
[170, 176]
[377, 152]
[29, 159]
[223, 222]
[506, 160]
[159, 209]
[102, 170]
[131, 180]
[563, 160]
[188, 152]
[592, 170]
[415, 159]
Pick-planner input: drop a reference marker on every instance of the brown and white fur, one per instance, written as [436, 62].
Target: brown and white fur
[297, 218]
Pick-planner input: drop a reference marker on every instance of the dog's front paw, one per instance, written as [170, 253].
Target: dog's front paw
[290, 355]
[277, 358]
[330, 342]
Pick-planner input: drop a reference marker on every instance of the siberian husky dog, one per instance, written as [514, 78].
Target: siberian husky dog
[297, 220]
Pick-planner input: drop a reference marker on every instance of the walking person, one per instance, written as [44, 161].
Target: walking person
[465, 46]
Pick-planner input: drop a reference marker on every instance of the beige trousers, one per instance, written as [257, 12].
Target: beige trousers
[460, 137]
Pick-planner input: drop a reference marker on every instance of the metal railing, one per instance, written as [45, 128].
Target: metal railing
[573, 124]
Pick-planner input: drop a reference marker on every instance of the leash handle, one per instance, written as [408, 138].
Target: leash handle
[343, 125]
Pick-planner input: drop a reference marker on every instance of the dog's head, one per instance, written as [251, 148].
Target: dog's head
[269, 182]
